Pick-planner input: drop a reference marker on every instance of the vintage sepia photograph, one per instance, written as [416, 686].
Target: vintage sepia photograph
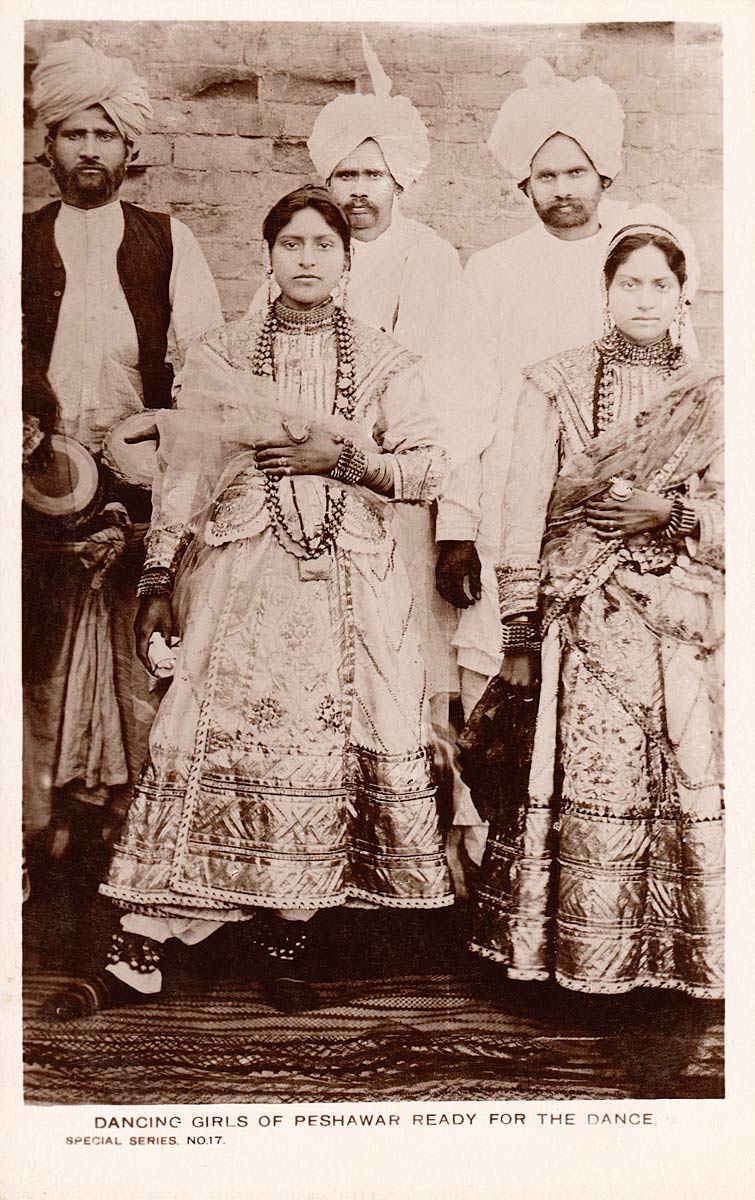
[372, 566]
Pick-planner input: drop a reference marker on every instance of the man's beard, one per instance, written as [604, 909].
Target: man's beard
[89, 190]
[580, 213]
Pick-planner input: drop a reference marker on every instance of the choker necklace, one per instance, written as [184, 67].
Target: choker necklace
[615, 347]
[292, 320]
[304, 320]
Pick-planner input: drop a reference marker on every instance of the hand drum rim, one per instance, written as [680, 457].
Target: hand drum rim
[133, 465]
[76, 504]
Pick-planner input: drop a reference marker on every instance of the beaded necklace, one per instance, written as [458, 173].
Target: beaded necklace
[614, 349]
[309, 321]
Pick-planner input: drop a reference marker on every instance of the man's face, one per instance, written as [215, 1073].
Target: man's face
[88, 157]
[565, 188]
[365, 188]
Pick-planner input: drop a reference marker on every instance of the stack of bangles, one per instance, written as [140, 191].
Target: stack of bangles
[355, 466]
[682, 521]
[521, 635]
[351, 465]
[155, 581]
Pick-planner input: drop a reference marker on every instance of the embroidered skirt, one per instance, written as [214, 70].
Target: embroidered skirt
[613, 876]
[288, 764]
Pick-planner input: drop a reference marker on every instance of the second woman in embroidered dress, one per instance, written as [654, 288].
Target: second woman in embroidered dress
[608, 874]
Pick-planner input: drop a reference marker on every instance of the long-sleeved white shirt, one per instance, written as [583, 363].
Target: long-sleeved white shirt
[520, 301]
[95, 355]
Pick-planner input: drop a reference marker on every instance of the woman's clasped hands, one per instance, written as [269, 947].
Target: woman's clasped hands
[281, 455]
[640, 512]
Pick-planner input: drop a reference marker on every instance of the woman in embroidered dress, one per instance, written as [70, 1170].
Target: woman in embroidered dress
[607, 871]
[288, 768]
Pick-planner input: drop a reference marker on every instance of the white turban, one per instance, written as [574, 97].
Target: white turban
[392, 121]
[71, 76]
[586, 110]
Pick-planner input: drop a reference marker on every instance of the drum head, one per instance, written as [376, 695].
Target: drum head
[68, 486]
[134, 464]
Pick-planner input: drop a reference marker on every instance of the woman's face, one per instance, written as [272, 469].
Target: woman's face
[643, 296]
[308, 259]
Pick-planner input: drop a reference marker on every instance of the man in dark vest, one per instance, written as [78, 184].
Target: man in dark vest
[104, 286]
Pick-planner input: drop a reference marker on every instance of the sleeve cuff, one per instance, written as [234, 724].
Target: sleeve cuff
[518, 589]
[455, 526]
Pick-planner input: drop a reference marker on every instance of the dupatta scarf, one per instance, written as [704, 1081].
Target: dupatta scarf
[677, 436]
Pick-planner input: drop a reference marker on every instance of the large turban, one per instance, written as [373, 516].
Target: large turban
[71, 76]
[391, 121]
[586, 110]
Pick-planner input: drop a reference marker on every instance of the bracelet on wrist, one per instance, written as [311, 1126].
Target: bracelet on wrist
[520, 637]
[681, 521]
[155, 581]
[378, 474]
[351, 465]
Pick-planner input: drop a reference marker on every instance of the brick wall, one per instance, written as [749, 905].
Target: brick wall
[235, 102]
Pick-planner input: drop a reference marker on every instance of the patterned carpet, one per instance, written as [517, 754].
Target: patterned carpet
[413, 1037]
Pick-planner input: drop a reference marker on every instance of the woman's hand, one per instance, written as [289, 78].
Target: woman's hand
[155, 614]
[317, 456]
[642, 512]
[521, 670]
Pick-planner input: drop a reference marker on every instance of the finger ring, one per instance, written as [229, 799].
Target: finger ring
[289, 470]
[621, 489]
[297, 429]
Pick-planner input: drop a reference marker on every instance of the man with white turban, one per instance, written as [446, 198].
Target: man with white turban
[369, 148]
[520, 301]
[104, 285]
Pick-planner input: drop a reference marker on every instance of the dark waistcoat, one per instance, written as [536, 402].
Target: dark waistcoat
[144, 261]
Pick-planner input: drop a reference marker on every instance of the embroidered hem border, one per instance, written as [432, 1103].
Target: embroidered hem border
[171, 900]
[619, 988]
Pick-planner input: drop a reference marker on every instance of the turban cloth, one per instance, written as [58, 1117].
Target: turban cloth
[391, 121]
[72, 76]
[586, 110]
[649, 218]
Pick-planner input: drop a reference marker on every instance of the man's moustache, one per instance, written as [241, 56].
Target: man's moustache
[566, 200]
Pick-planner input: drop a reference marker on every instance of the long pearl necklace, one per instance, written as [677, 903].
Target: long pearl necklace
[309, 321]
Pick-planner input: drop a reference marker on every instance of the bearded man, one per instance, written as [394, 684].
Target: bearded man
[521, 301]
[104, 284]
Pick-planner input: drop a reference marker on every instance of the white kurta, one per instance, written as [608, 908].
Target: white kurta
[520, 301]
[95, 356]
[402, 280]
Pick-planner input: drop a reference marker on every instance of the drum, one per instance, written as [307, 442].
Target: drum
[132, 465]
[127, 470]
[65, 495]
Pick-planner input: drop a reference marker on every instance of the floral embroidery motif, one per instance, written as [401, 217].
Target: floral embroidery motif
[266, 713]
[330, 714]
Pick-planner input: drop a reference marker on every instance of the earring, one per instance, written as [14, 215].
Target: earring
[270, 296]
[679, 324]
[341, 288]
